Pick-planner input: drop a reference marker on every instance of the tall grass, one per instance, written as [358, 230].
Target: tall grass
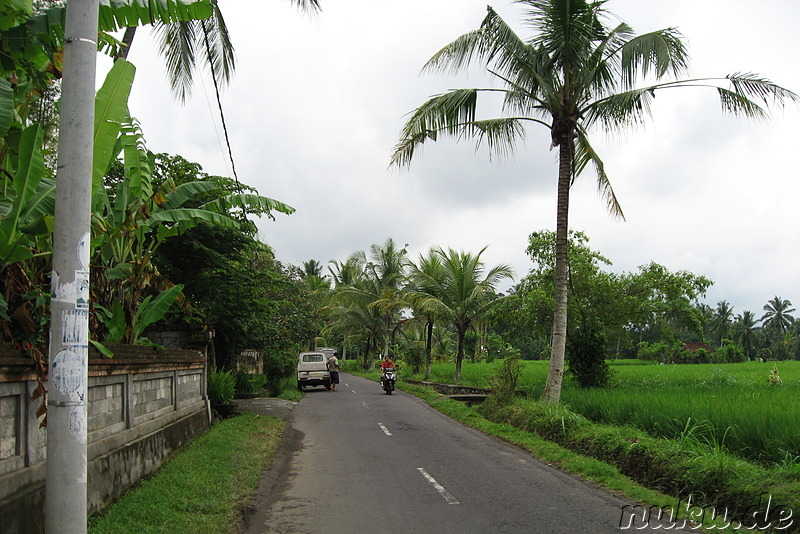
[727, 406]
[758, 423]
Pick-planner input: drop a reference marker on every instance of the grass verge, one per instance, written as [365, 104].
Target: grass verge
[202, 488]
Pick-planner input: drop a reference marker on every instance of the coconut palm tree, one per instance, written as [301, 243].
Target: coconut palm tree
[369, 288]
[778, 316]
[723, 317]
[345, 273]
[385, 270]
[312, 268]
[745, 327]
[464, 293]
[574, 74]
[425, 280]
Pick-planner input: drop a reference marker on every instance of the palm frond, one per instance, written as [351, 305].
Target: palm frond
[456, 55]
[565, 30]
[500, 135]
[307, 5]
[177, 42]
[585, 154]
[748, 86]
[223, 57]
[524, 68]
[603, 67]
[660, 53]
[181, 42]
[621, 109]
[446, 113]
[737, 104]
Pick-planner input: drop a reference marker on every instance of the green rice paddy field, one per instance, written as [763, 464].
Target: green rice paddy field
[726, 406]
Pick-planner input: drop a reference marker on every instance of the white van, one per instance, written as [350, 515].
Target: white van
[312, 370]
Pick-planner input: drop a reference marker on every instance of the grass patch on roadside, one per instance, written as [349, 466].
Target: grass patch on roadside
[290, 391]
[203, 487]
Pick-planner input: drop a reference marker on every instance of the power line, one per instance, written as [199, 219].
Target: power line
[219, 103]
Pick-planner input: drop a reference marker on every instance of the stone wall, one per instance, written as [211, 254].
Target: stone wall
[144, 404]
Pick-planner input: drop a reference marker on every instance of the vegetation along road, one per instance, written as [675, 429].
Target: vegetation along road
[358, 460]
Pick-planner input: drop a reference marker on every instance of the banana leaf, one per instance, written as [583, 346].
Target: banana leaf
[255, 203]
[186, 191]
[30, 171]
[111, 109]
[151, 311]
[6, 106]
[190, 215]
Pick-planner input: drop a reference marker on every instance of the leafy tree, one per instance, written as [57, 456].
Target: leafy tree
[574, 74]
[147, 208]
[586, 354]
[511, 318]
[236, 287]
[652, 304]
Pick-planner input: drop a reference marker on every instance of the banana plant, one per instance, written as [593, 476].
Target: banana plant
[147, 313]
[126, 230]
[128, 227]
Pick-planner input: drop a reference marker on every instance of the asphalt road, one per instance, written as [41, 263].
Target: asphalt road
[357, 460]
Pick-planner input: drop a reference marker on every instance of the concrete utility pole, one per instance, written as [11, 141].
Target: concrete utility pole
[66, 494]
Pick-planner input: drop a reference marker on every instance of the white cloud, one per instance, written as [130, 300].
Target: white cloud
[317, 105]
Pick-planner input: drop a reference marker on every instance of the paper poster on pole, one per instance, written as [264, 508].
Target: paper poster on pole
[82, 290]
[75, 327]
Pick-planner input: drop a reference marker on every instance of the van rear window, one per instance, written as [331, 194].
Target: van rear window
[311, 358]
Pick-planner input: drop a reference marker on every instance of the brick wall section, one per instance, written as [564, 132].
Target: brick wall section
[144, 403]
[106, 405]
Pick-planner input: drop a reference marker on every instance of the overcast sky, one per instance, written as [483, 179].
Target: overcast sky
[318, 102]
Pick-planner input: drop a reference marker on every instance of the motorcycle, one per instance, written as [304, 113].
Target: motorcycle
[388, 380]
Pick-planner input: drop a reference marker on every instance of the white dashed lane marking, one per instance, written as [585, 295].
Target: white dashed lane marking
[446, 495]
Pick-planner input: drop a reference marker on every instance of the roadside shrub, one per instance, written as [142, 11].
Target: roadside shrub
[586, 357]
[730, 352]
[278, 367]
[247, 383]
[504, 382]
[661, 352]
[221, 387]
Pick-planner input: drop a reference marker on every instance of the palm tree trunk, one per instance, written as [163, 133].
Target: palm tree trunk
[459, 355]
[127, 41]
[366, 362]
[552, 389]
[428, 343]
[386, 338]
